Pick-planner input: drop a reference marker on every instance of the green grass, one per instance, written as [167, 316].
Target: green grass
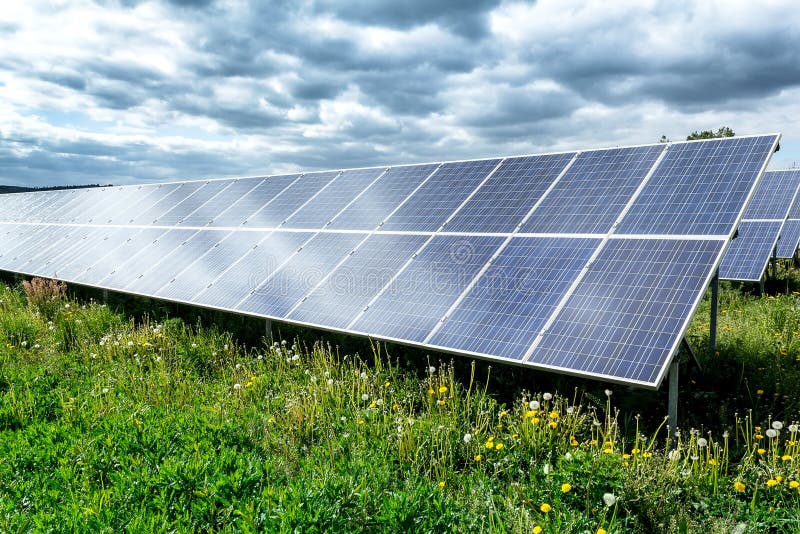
[110, 425]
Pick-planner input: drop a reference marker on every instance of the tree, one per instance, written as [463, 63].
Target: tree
[723, 131]
[665, 139]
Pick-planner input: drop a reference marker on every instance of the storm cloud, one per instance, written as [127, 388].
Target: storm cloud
[131, 91]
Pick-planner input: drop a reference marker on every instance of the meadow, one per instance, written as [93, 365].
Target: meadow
[112, 423]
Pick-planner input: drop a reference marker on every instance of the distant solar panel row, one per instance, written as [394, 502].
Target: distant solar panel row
[789, 240]
[588, 263]
[763, 223]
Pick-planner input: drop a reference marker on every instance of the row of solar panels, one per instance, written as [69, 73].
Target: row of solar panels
[588, 263]
[572, 194]
[765, 230]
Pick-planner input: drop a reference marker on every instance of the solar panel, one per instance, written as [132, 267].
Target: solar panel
[789, 239]
[763, 222]
[588, 263]
[594, 191]
[439, 197]
[699, 188]
[628, 314]
[749, 253]
[507, 196]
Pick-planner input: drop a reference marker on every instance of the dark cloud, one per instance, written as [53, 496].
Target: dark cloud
[468, 19]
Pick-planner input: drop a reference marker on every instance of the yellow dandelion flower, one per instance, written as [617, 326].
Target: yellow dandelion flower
[573, 442]
[514, 436]
[760, 392]
[635, 451]
[794, 484]
[608, 444]
[712, 461]
[553, 415]
[738, 486]
[786, 457]
[361, 421]
[489, 444]
[772, 482]
[395, 406]
[552, 424]
[535, 420]
[759, 436]
[530, 413]
[626, 456]
[478, 457]
[545, 508]
[387, 384]
[442, 389]
[498, 446]
[608, 451]
[565, 488]
[441, 484]
[779, 479]
[601, 530]
[761, 451]
[647, 454]
[537, 530]
[593, 442]
[430, 391]
[502, 414]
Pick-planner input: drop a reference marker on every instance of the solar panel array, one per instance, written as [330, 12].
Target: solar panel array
[763, 222]
[588, 263]
[790, 235]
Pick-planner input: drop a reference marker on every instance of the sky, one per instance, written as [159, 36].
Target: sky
[128, 91]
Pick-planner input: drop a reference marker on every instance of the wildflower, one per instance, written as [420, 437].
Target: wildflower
[786, 457]
[635, 451]
[674, 455]
[794, 484]
[570, 410]
[600, 530]
[547, 396]
[432, 369]
[761, 451]
[330, 381]
[194, 345]
[760, 392]
[793, 428]
[533, 405]
[489, 443]
[609, 499]
[712, 461]
[647, 454]
[478, 457]
[573, 442]
[701, 442]
[237, 386]
[387, 384]
[772, 482]
[130, 343]
[553, 415]
[467, 438]
[545, 508]
[772, 433]
[443, 389]
[537, 530]
[24, 343]
[608, 392]
[430, 391]
[779, 478]
[565, 488]
[626, 456]
[364, 397]
[759, 436]
[552, 424]
[498, 446]
[738, 486]
[441, 484]
[608, 451]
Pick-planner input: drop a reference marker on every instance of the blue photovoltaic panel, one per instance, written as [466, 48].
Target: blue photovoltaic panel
[382, 197]
[502, 202]
[133, 243]
[80, 244]
[748, 254]
[240, 198]
[431, 205]
[699, 188]
[283, 290]
[192, 202]
[774, 195]
[353, 284]
[415, 302]
[85, 257]
[789, 239]
[247, 272]
[627, 315]
[69, 199]
[246, 209]
[132, 267]
[176, 194]
[138, 205]
[333, 199]
[168, 266]
[28, 240]
[591, 195]
[208, 266]
[291, 199]
[85, 200]
[41, 206]
[502, 314]
[119, 200]
[35, 260]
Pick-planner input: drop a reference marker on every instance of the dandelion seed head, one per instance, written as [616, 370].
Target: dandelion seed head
[702, 442]
[467, 438]
[609, 499]
[364, 397]
[533, 405]
[777, 425]
[771, 433]
[609, 393]
[547, 396]
[793, 428]
[431, 369]
[237, 386]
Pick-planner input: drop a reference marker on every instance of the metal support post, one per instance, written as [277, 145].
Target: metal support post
[268, 330]
[712, 334]
[105, 296]
[774, 265]
[672, 403]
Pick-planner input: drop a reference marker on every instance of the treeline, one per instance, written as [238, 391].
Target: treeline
[19, 189]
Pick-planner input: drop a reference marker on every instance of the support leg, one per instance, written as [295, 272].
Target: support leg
[672, 408]
[268, 330]
[105, 296]
[712, 334]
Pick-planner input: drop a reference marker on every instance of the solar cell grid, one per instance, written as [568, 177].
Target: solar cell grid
[333, 199]
[284, 287]
[381, 198]
[774, 195]
[628, 313]
[789, 239]
[503, 312]
[301, 191]
[749, 252]
[175, 194]
[84, 257]
[593, 192]
[340, 297]
[501, 203]
[414, 303]
[699, 188]
[439, 197]
[190, 203]
[131, 244]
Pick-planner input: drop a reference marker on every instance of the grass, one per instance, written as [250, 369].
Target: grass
[109, 424]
